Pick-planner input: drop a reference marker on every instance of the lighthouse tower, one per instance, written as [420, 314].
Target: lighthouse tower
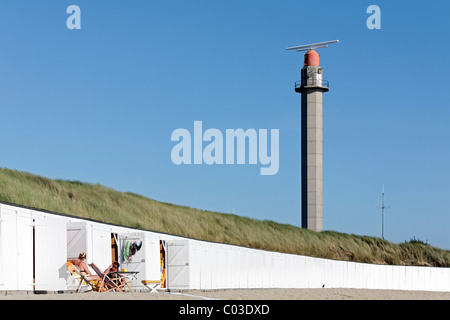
[312, 86]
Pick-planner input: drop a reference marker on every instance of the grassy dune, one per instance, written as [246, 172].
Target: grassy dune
[100, 203]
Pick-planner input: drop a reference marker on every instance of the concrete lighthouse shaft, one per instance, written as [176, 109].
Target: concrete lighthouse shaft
[312, 86]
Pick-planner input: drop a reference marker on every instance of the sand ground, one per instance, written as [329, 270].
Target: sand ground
[254, 294]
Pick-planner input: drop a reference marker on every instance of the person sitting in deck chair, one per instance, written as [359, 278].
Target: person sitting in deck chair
[84, 269]
[112, 273]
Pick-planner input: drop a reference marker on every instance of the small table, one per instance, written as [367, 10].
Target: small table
[132, 274]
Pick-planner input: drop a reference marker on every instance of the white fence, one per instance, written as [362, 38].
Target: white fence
[192, 264]
[216, 266]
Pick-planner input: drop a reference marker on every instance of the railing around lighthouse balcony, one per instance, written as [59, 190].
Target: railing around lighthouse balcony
[312, 83]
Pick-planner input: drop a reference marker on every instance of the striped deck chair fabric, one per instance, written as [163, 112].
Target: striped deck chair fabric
[107, 284]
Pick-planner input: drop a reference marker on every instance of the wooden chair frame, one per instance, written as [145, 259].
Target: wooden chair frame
[81, 278]
[107, 284]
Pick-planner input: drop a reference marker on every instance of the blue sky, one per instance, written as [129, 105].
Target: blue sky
[99, 104]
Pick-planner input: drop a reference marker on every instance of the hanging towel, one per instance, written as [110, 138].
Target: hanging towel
[126, 250]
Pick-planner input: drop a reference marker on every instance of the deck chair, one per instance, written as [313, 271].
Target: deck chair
[107, 284]
[152, 285]
[92, 284]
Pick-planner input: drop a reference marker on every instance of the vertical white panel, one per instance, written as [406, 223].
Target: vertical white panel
[400, 275]
[194, 265]
[152, 258]
[243, 268]
[2, 274]
[225, 268]
[301, 272]
[282, 271]
[272, 270]
[418, 285]
[287, 268]
[381, 276]
[9, 249]
[218, 269]
[358, 276]
[24, 250]
[377, 271]
[214, 265]
[262, 271]
[319, 271]
[392, 278]
[433, 284]
[350, 275]
[291, 274]
[331, 278]
[409, 276]
[269, 270]
[206, 258]
[257, 269]
[266, 271]
[233, 274]
[250, 269]
[178, 264]
[50, 252]
[211, 264]
[427, 278]
[372, 281]
[101, 247]
[385, 276]
[314, 272]
[444, 279]
[307, 273]
[324, 270]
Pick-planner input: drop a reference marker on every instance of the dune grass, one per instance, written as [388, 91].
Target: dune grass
[104, 204]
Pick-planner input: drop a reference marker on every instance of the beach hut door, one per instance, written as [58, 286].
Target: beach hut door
[76, 239]
[177, 265]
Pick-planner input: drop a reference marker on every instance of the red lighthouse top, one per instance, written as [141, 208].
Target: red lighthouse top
[312, 58]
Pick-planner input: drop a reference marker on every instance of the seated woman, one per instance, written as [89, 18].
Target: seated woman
[112, 270]
[112, 273]
[82, 266]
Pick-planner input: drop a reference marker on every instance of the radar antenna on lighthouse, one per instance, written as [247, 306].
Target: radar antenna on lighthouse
[312, 46]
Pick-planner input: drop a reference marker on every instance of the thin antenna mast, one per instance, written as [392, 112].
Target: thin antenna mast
[382, 212]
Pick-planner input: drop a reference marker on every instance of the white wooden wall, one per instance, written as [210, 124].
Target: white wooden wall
[216, 266]
[211, 265]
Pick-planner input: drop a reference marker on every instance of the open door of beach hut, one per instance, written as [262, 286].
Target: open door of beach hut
[76, 239]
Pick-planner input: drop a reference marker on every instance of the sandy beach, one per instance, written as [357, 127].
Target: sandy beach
[255, 294]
